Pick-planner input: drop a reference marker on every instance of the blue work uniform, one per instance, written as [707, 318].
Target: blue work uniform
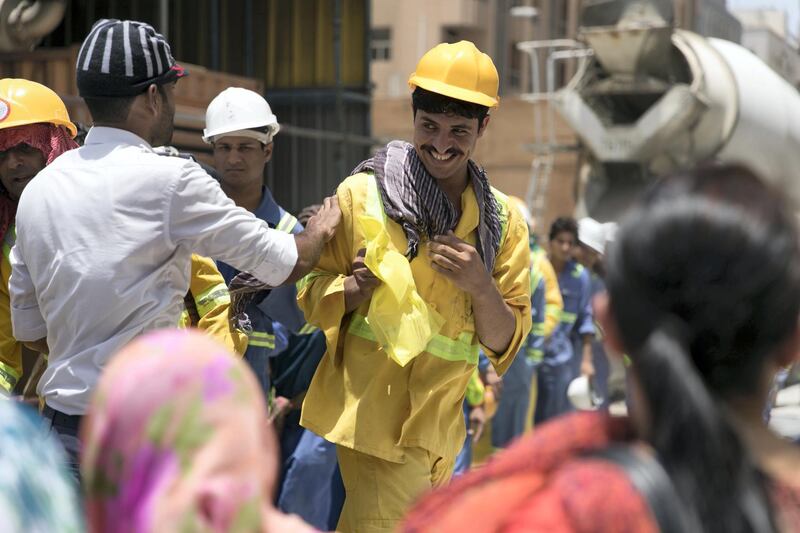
[464, 458]
[274, 316]
[280, 333]
[602, 367]
[510, 419]
[558, 366]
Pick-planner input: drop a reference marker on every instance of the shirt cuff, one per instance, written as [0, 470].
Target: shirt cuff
[28, 325]
[280, 261]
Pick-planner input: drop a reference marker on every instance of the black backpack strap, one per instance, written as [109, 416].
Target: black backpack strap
[654, 484]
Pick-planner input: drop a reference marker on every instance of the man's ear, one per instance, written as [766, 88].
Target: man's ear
[268, 151]
[482, 125]
[153, 99]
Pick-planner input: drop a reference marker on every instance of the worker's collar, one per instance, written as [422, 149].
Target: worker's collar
[268, 210]
[106, 135]
[470, 214]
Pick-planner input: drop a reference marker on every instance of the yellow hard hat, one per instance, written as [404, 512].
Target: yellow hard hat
[459, 71]
[25, 102]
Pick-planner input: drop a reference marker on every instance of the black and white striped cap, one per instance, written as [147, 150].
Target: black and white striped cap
[123, 58]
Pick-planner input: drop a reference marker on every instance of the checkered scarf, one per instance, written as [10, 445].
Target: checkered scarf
[412, 198]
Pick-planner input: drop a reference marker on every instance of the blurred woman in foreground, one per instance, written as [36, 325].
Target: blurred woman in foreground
[177, 439]
[704, 295]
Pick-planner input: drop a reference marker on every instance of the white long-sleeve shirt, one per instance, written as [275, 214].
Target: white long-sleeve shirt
[104, 238]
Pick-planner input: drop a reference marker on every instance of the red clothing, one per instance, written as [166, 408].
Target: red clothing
[787, 502]
[544, 482]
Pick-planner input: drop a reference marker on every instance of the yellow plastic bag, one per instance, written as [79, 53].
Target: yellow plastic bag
[400, 319]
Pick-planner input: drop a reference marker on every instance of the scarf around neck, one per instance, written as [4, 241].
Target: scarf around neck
[412, 198]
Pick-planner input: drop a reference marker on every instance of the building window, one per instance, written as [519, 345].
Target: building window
[381, 45]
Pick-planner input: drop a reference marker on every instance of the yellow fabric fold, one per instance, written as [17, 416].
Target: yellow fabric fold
[401, 321]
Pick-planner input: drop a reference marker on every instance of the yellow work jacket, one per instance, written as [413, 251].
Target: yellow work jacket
[10, 349]
[362, 399]
[553, 302]
[212, 301]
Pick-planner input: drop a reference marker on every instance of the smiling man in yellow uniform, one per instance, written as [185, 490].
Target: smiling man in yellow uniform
[399, 428]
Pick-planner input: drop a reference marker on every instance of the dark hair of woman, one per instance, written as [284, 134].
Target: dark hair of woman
[704, 288]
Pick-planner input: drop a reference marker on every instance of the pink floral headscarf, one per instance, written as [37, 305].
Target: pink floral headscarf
[177, 439]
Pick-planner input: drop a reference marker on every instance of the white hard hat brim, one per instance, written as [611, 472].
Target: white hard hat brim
[272, 124]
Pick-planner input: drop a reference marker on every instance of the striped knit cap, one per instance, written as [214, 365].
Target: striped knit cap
[123, 58]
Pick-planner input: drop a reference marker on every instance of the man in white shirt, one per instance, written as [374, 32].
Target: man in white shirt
[105, 235]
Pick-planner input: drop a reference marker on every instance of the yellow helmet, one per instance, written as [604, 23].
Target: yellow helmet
[25, 102]
[459, 71]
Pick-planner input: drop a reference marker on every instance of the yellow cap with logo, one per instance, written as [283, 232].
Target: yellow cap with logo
[24, 102]
[459, 71]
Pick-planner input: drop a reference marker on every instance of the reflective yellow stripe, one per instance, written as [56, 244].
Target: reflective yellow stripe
[185, 320]
[553, 311]
[458, 349]
[306, 329]
[533, 355]
[538, 329]
[212, 297]
[8, 377]
[305, 280]
[287, 223]
[261, 339]
[568, 318]
[8, 241]
[475, 390]
[374, 207]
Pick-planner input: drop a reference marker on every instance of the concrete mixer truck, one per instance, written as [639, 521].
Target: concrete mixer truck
[647, 99]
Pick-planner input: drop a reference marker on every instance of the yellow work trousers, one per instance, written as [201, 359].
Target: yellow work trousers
[378, 493]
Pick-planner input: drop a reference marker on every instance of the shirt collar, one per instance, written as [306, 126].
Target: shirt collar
[268, 210]
[106, 135]
[470, 214]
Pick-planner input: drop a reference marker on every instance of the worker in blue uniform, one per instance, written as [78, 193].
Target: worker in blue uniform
[570, 346]
[282, 349]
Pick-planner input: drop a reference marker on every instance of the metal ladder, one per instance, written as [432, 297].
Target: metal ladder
[545, 145]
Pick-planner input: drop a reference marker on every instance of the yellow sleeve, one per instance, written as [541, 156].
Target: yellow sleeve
[512, 275]
[10, 349]
[320, 294]
[553, 302]
[213, 301]
[475, 390]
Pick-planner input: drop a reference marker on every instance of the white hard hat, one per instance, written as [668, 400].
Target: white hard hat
[581, 394]
[237, 112]
[610, 229]
[593, 234]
